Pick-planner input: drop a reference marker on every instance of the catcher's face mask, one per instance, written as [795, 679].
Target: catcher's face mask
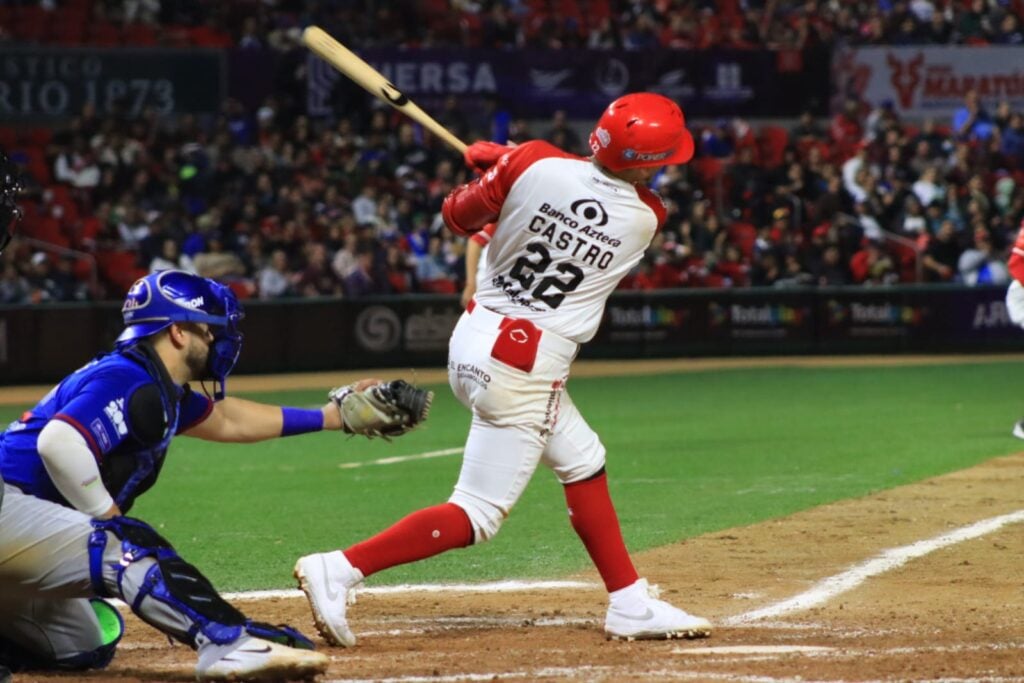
[10, 186]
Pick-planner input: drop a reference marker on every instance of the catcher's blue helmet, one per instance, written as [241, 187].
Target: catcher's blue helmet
[173, 296]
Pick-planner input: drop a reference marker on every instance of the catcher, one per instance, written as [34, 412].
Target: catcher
[75, 463]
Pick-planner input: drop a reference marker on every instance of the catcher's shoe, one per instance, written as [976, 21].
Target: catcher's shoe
[636, 613]
[1018, 429]
[327, 579]
[255, 659]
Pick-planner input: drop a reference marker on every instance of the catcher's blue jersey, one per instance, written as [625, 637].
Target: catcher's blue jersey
[125, 406]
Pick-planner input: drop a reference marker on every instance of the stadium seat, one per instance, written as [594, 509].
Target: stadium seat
[104, 34]
[709, 171]
[243, 289]
[37, 165]
[119, 269]
[773, 145]
[40, 136]
[69, 32]
[62, 198]
[47, 229]
[9, 138]
[140, 34]
[438, 286]
[82, 269]
[743, 235]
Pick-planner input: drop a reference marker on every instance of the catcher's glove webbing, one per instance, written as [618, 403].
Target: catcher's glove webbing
[389, 409]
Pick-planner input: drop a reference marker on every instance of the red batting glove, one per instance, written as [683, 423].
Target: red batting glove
[480, 156]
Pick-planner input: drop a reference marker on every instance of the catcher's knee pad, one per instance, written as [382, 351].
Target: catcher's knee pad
[486, 518]
[161, 588]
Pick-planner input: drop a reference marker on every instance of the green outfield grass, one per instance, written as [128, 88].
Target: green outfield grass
[688, 454]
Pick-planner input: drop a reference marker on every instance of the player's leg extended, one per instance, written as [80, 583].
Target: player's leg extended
[505, 440]
[1015, 310]
[44, 620]
[576, 455]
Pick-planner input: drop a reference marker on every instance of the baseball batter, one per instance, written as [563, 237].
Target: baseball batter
[1015, 298]
[76, 462]
[568, 229]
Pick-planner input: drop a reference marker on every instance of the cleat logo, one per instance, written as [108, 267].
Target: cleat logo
[646, 616]
[331, 593]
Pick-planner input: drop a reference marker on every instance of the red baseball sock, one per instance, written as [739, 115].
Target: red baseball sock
[593, 517]
[425, 533]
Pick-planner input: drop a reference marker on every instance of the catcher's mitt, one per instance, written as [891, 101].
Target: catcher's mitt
[388, 409]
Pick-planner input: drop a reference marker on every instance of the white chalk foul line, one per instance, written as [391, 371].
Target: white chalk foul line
[888, 560]
[401, 458]
[490, 587]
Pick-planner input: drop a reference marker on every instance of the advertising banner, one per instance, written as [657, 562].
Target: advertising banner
[535, 83]
[40, 84]
[413, 331]
[930, 81]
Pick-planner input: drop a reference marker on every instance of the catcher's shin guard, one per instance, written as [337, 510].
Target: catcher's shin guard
[129, 560]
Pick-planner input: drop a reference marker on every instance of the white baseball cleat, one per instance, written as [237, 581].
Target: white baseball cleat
[327, 579]
[1018, 429]
[255, 659]
[636, 613]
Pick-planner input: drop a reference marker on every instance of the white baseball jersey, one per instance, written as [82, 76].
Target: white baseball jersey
[567, 233]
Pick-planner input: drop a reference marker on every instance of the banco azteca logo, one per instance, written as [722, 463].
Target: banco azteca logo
[591, 211]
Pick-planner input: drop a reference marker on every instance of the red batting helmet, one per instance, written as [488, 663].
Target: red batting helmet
[641, 129]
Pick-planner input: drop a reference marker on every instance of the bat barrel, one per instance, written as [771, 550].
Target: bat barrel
[371, 80]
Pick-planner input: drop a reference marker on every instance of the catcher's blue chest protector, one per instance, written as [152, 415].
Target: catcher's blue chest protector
[126, 407]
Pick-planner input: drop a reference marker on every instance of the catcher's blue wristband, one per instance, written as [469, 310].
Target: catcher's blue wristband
[300, 421]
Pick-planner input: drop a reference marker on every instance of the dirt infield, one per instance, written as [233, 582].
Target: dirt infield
[953, 614]
[949, 610]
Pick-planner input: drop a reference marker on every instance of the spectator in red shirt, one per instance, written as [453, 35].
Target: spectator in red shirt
[872, 265]
[845, 128]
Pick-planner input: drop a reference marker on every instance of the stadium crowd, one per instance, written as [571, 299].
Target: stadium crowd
[276, 204]
[553, 24]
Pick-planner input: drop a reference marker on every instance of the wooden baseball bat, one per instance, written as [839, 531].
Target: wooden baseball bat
[350, 64]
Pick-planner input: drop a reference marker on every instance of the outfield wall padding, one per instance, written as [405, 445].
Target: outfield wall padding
[43, 343]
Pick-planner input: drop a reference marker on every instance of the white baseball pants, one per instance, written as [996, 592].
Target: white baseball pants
[512, 376]
[1015, 303]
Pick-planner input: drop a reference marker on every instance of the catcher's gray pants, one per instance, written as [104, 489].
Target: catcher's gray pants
[45, 583]
[44, 578]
